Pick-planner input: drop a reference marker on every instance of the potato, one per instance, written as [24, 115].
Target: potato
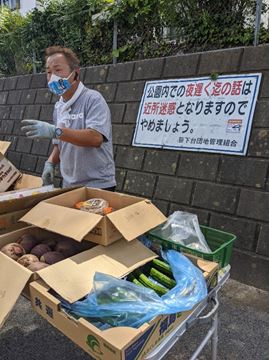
[27, 241]
[52, 257]
[40, 249]
[67, 247]
[38, 265]
[27, 259]
[13, 250]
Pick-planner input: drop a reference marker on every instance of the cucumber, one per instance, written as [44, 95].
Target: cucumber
[137, 282]
[134, 280]
[159, 289]
[162, 266]
[162, 279]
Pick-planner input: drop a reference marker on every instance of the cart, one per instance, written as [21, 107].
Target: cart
[195, 318]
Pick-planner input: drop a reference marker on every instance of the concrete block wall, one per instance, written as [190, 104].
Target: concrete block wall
[226, 192]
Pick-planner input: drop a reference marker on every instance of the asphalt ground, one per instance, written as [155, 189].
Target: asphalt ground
[243, 331]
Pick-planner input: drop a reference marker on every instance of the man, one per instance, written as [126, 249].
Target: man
[82, 134]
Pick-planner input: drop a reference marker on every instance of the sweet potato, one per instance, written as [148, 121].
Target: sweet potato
[13, 250]
[40, 249]
[38, 265]
[52, 257]
[27, 241]
[67, 247]
[27, 259]
[50, 242]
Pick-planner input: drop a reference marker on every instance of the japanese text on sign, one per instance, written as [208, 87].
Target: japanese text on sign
[198, 114]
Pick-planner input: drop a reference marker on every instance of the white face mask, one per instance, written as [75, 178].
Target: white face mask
[58, 85]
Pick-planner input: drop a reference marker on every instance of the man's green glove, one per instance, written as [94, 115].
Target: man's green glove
[38, 129]
[48, 173]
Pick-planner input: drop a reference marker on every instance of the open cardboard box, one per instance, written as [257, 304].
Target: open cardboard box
[9, 202]
[10, 222]
[13, 208]
[72, 278]
[8, 172]
[118, 343]
[14, 204]
[27, 181]
[10, 175]
[132, 216]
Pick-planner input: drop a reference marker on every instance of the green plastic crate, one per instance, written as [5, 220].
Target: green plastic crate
[220, 242]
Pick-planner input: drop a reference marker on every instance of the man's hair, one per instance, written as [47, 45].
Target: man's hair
[70, 56]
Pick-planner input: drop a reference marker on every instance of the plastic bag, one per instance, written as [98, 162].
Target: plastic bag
[191, 285]
[116, 302]
[183, 228]
[121, 303]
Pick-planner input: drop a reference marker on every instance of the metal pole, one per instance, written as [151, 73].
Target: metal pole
[257, 22]
[214, 339]
[115, 40]
[115, 34]
[34, 62]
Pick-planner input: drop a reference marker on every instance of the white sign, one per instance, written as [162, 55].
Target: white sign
[198, 114]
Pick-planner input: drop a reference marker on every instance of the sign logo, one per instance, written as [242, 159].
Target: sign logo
[234, 126]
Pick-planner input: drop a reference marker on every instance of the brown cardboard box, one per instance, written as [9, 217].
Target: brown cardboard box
[9, 175]
[27, 181]
[9, 222]
[72, 277]
[11, 207]
[9, 202]
[118, 343]
[4, 145]
[14, 204]
[132, 217]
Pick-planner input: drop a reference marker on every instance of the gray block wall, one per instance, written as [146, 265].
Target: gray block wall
[226, 192]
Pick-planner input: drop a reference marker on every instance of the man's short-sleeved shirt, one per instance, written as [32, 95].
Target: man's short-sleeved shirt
[87, 166]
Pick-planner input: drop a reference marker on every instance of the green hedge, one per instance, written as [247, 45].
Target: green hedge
[86, 26]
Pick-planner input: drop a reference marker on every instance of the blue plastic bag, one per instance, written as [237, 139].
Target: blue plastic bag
[118, 302]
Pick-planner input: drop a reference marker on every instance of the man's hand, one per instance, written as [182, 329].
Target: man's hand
[38, 129]
[48, 173]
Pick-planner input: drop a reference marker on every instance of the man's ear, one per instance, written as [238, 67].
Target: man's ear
[77, 74]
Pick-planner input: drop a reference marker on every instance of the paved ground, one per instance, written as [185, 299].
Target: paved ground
[243, 332]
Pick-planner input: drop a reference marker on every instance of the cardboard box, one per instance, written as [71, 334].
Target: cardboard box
[14, 204]
[132, 217]
[27, 181]
[8, 173]
[10, 176]
[72, 278]
[9, 202]
[9, 222]
[4, 145]
[11, 210]
[119, 343]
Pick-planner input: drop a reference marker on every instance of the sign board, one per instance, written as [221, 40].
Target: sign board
[198, 114]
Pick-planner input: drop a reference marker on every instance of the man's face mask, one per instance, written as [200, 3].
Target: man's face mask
[58, 85]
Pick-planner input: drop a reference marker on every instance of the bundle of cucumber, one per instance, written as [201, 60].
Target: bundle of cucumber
[157, 276]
